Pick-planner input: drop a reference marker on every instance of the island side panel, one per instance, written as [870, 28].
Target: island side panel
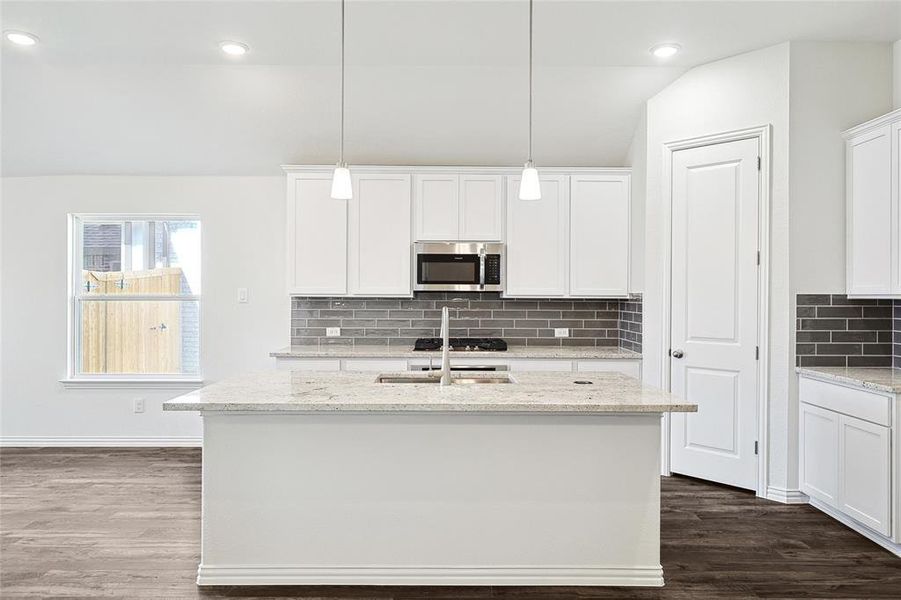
[444, 499]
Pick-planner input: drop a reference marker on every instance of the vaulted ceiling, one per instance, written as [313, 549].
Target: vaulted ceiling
[142, 88]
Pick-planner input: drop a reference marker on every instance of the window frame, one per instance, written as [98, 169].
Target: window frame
[76, 297]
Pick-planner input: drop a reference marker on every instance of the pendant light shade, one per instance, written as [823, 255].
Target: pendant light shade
[529, 184]
[342, 188]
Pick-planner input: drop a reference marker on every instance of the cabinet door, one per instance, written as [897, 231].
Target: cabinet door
[819, 453]
[536, 239]
[896, 207]
[481, 208]
[869, 213]
[317, 236]
[380, 236]
[864, 473]
[599, 235]
[436, 207]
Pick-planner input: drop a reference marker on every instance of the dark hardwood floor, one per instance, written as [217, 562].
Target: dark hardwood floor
[125, 523]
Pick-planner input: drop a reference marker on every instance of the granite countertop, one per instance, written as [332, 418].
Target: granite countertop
[882, 379]
[294, 391]
[574, 352]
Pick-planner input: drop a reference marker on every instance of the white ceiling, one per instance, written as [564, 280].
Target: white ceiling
[141, 87]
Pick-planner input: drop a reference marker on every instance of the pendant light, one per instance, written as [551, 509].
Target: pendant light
[342, 188]
[529, 184]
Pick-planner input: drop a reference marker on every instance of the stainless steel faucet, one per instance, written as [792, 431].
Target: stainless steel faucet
[445, 347]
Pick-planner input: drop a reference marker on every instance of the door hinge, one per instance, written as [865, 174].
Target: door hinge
[758, 163]
[756, 447]
[756, 352]
[758, 258]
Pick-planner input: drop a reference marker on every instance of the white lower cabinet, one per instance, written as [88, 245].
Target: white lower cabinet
[626, 366]
[846, 463]
[819, 453]
[864, 473]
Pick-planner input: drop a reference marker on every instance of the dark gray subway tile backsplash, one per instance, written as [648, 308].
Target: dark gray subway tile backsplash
[836, 331]
[398, 322]
[896, 334]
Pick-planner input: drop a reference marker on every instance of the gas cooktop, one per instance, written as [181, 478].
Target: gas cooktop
[458, 344]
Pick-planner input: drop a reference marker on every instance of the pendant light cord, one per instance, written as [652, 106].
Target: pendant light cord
[530, 81]
[341, 143]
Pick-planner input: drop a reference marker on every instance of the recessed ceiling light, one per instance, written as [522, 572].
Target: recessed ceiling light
[21, 38]
[665, 50]
[233, 48]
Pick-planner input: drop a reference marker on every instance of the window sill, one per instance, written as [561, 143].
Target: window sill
[84, 383]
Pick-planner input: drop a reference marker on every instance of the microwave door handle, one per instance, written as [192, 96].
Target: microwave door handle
[482, 268]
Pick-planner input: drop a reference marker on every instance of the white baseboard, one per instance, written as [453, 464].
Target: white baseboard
[861, 529]
[100, 442]
[785, 496]
[324, 575]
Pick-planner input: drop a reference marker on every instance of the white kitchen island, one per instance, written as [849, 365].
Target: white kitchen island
[335, 479]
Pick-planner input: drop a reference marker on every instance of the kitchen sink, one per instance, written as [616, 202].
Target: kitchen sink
[467, 380]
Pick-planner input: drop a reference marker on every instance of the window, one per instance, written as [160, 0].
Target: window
[135, 299]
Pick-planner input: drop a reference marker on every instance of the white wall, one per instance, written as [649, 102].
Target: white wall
[748, 90]
[243, 246]
[834, 86]
[896, 73]
[637, 158]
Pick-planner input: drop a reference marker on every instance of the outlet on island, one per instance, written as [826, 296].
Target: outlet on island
[139, 405]
[332, 332]
[561, 332]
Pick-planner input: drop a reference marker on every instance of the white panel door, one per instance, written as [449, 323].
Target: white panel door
[317, 236]
[599, 235]
[436, 207]
[869, 213]
[537, 239]
[481, 208]
[715, 197]
[380, 242]
[864, 473]
[819, 453]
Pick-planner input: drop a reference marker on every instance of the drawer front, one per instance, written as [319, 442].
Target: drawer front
[374, 365]
[868, 406]
[632, 368]
[308, 364]
[541, 365]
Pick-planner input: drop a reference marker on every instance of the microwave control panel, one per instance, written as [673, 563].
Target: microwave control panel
[493, 269]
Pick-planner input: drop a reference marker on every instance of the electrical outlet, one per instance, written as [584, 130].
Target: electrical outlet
[561, 332]
[242, 296]
[139, 405]
[332, 332]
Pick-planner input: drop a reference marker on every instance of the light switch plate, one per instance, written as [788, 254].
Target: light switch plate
[561, 332]
[242, 296]
[332, 332]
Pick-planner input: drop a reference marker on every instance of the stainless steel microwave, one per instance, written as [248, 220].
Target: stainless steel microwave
[459, 266]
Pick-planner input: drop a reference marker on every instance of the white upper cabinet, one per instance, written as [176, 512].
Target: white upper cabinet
[481, 208]
[537, 239]
[317, 236]
[437, 207]
[873, 162]
[380, 244]
[452, 207]
[599, 235]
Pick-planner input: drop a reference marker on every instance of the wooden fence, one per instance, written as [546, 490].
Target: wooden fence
[131, 336]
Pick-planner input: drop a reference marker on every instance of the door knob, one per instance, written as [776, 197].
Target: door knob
[678, 354]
